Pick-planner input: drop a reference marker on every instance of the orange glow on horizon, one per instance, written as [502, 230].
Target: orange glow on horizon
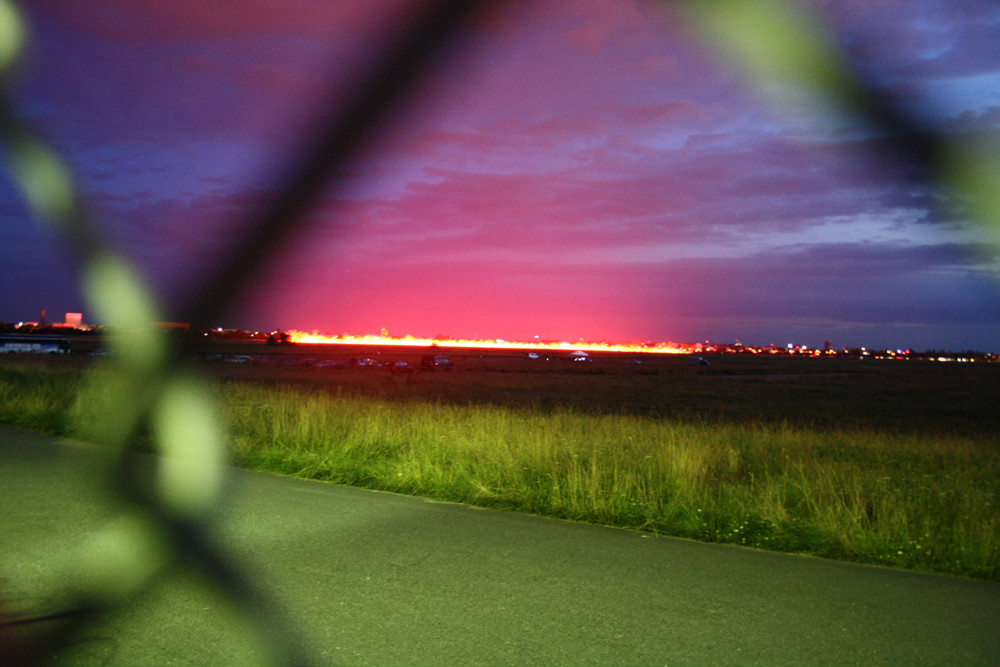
[498, 344]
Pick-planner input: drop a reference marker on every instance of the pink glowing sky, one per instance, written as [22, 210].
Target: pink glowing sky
[579, 169]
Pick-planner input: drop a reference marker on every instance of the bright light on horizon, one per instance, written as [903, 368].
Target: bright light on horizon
[411, 341]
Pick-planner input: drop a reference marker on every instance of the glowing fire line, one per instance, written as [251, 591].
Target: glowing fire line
[559, 346]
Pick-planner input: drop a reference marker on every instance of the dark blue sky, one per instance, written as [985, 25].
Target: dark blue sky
[583, 169]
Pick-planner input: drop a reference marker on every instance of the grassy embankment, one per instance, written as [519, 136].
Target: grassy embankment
[925, 501]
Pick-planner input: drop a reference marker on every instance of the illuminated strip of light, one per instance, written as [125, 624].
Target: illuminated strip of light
[560, 346]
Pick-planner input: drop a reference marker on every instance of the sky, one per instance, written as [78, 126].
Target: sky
[575, 169]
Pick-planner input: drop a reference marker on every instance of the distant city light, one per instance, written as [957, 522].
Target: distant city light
[497, 343]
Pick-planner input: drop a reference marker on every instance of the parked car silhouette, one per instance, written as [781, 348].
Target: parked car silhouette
[436, 362]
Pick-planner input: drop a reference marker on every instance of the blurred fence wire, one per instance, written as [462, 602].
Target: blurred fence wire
[146, 387]
[779, 44]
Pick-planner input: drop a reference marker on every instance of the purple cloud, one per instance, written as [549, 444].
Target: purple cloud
[579, 169]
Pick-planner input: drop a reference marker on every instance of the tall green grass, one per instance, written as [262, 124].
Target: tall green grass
[37, 397]
[926, 503]
[919, 501]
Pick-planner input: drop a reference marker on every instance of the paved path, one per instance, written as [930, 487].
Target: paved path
[371, 578]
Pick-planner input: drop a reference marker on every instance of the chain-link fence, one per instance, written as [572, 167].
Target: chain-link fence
[146, 386]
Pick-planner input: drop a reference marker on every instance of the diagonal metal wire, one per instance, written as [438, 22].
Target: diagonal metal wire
[352, 126]
[339, 135]
[781, 42]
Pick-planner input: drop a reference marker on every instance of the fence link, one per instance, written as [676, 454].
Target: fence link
[146, 385]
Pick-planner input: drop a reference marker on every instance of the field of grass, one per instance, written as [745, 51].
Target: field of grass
[888, 464]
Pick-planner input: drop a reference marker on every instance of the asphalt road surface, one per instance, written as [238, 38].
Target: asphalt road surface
[368, 578]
